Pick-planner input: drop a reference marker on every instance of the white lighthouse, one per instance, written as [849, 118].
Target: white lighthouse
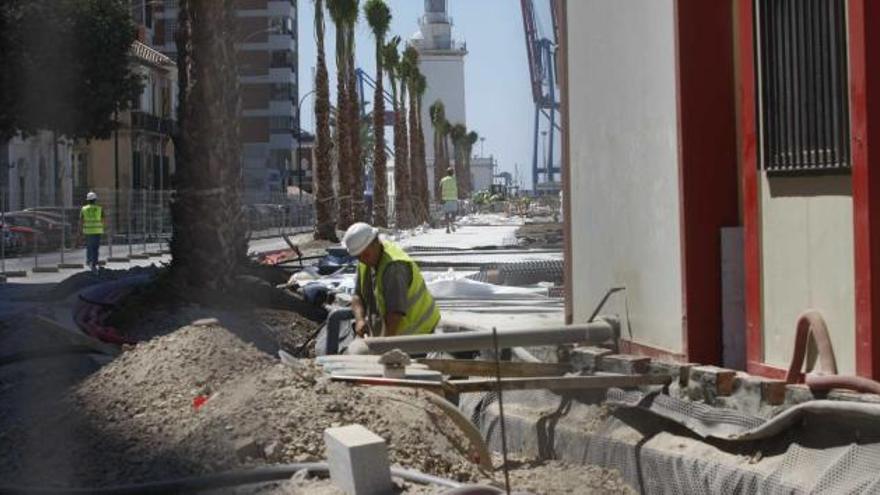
[441, 60]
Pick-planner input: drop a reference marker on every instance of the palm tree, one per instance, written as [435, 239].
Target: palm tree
[470, 139]
[420, 85]
[358, 211]
[209, 242]
[437, 111]
[379, 18]
[341, 12]
[401, 200]
[458, 133]
[410, 69]
[324, 224]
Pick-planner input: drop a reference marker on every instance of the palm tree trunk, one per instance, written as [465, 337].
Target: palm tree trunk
[437, 164]
[401, 167]
[380, 177]
[324, 225]
[414, 166]
[424, 196]
[209, 242]
[343, 134]
[358, 212]
[466, 151]
[459, 170]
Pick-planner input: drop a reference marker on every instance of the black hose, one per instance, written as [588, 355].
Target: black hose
[220, 480]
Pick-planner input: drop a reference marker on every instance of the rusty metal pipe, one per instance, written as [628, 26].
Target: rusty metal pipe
[599, 331]
[811, 341]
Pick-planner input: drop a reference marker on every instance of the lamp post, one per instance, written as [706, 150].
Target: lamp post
[482, 139]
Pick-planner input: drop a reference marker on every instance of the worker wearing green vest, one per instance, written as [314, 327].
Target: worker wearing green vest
[92, 218]
[390, 290]
[449, 196]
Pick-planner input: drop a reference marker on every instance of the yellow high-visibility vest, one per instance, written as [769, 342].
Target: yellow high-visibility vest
[448, 189]
[92, 217]
[422, 314]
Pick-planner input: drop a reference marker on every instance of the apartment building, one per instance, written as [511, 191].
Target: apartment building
[266, 39]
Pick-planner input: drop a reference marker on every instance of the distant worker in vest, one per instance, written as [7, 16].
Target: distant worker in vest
[391, 297]
[449, 196]
[92, 219]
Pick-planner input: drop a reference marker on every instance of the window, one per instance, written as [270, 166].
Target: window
[282, 58]
[282, 25]
[282, 91]
[802, 84]
[284, 123]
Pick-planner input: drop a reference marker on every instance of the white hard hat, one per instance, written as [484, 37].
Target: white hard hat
[91, 196]
[358, 237]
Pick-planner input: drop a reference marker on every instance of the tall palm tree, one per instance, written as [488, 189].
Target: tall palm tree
[410, 69]
[420, 85]
[358, 212]
[437, 111]
[209, 242]
[391, 62]
[379, 18]
[325, 228]
[458, 133]
[470, 139]
[341, 12]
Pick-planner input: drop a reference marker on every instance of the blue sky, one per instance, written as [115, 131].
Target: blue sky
[499, 101]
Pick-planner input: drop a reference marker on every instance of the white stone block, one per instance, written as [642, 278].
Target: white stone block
[358, 460]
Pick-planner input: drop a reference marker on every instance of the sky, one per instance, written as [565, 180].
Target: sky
[498, 100]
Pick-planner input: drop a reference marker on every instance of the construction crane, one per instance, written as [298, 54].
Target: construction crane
[542, 69]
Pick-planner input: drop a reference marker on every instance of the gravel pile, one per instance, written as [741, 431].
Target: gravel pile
[135, 420]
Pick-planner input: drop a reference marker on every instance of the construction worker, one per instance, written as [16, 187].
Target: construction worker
[449, 196]
[389, 286]
[92, 219]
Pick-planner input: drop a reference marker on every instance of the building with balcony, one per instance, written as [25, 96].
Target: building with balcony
[266, 40]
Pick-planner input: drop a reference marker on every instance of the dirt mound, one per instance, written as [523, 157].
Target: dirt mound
[135, 420]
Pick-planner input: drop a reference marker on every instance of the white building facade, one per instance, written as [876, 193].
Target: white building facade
[441, 60]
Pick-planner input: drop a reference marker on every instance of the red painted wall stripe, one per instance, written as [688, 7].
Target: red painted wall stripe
[864, 48]
[747, 142]
[707, 165]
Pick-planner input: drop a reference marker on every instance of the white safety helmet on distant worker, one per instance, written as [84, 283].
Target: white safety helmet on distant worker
[358, 237]
[91, 196]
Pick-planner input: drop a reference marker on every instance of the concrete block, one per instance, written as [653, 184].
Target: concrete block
[853, 396]
[70, 266]
[358, 460]
[773, 392]
[117, 259]
[678, 371]
[717, 381]
[587, 358]
[16, 274]
[626, 364]
[797, 393]
[45, 269]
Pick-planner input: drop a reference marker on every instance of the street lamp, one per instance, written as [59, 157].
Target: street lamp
[482, 139]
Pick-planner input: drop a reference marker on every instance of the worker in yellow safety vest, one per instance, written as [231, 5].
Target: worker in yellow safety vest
[92, 219]
[389, 287]
[449, 197]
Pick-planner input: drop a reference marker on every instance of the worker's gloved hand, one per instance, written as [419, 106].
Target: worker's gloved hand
[360, 328]
[357, 347]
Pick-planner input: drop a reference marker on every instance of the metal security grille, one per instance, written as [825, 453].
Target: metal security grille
[803, 85]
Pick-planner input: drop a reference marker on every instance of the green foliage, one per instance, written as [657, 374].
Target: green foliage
[66, 66]
[378, 17]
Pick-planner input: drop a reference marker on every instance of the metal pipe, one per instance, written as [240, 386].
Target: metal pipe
[596, 332]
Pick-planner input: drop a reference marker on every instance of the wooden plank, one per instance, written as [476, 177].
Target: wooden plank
[452, 387]
[441, 388]
[468, 367]
[559, 383]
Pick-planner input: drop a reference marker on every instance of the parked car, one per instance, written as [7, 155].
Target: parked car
[46, 229]
[13, 239]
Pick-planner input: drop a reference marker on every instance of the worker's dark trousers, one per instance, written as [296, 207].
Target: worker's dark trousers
[335, 334]
[93, 243]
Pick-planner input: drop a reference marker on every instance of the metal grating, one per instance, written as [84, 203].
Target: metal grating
[803, 85]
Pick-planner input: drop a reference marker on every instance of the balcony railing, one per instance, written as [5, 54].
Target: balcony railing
[152, 123]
